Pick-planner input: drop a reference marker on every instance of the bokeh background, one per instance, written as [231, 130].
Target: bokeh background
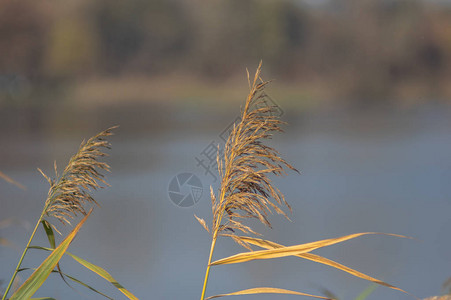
[365, 87]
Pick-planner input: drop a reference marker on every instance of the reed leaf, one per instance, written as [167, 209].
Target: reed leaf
[96, 269]
[103, 273]
[66, 275]
[290, 250]
[34, 282]
[367, 292]
[322, 260]
[12, 181]
[51, 237]
[86, 285]
[266, 290]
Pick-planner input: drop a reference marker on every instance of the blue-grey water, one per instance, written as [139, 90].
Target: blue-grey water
[383, 171]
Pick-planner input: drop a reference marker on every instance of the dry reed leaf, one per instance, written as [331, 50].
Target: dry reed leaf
[12, 181]
[266, 290]
[291, 250]
[319, 259]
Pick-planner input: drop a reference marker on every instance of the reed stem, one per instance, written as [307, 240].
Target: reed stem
[21, 258]
[207, 273]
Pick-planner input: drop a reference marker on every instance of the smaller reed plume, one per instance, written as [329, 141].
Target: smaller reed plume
[67, 197]
[70, 191]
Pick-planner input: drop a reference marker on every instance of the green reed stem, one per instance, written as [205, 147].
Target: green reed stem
[22, 257]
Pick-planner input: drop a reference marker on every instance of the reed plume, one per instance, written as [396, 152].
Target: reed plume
[246, 192]
[70, 192]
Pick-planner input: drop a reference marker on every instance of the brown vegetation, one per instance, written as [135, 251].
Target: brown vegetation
[370, 50]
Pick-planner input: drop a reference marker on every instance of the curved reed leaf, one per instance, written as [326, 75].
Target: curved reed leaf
[12, 181]
[367, 292]
[290, 250]
[66, 275]
[51, 237]
[34, 282]
[96, 269]
[49, 232]
[266, 290]
[103, 273]
[322, 260]
[86, 285]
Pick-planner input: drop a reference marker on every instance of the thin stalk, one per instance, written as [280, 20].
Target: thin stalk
[215, 234]
[21, 258]
[208, 268]
[212, 249]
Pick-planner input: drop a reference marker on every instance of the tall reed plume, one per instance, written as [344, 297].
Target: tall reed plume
[246, 192]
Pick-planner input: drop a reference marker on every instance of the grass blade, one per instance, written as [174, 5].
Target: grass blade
[290, 250]
[68, 276]
[96, 269]
[34, 282]
[12, 181]
[368, 291]
[101, 272]
[86, 286]
[49, 232]
[44, 298]
[326, 261]
[266, 290]
[322, 260]
[51, 237]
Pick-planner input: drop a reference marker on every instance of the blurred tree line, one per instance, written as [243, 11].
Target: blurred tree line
[358, 48]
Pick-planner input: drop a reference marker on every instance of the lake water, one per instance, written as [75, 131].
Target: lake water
[386, 171]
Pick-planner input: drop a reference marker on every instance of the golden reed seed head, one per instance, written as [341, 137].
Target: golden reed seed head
[70, 191]
[246, 190]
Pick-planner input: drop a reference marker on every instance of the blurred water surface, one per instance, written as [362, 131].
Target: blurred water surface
[387, 171]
